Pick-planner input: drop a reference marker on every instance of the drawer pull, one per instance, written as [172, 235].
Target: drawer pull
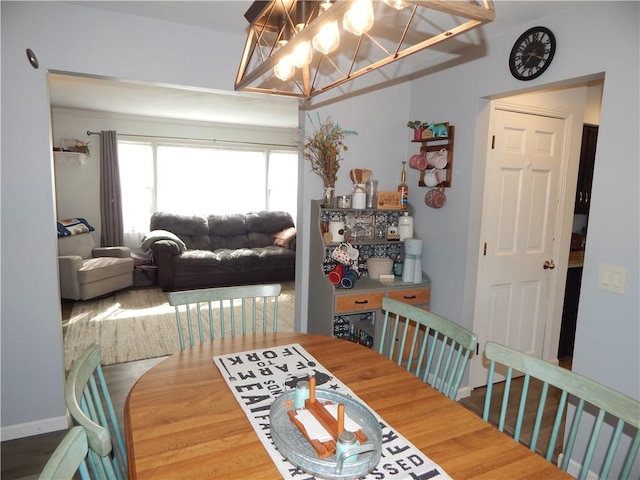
[409, 297]
[361, 302]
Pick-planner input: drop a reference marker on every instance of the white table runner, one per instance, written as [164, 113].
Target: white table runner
[257, 377]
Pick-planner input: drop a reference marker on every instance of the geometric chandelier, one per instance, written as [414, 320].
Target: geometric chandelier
[302, 48]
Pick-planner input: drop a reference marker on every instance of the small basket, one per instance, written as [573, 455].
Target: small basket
[379, 266]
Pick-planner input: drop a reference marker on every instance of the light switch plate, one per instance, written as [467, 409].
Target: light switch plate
[612, 278]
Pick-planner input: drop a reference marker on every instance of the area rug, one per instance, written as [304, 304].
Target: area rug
[139, 324]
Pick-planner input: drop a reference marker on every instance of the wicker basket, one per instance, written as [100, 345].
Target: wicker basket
[379, 266]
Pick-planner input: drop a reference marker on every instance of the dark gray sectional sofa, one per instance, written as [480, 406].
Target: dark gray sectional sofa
[221, 250]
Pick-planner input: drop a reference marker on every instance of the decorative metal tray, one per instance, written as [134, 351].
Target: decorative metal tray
[296, 449]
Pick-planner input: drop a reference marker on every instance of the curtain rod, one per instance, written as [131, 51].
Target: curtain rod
[214, 140]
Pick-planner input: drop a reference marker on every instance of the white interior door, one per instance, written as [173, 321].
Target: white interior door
[513, 297]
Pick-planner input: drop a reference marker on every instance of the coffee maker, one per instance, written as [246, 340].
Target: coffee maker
[412, 272]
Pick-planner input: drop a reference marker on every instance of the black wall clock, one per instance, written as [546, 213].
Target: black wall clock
[532, 53]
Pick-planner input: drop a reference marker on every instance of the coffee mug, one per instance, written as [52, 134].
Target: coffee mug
[435, 198]
[419, 162]
[432, 178]
[335, 275]
[349, 278]
[438, 159]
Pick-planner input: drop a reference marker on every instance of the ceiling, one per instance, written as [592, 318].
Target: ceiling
[218, 106]
[175, 103]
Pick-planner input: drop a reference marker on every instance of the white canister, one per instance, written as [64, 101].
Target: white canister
[359, 196]
[405, 226]
[336, 229]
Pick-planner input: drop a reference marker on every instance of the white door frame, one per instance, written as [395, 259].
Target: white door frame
[566, 193]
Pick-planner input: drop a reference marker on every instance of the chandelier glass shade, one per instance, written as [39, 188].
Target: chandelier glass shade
[302, 48]
[359, 17]
[327, 39]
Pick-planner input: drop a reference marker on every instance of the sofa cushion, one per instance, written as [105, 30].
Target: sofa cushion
[261, 226]
[227, 225]
[272, 257]
[179, 224]
[193, 230]
[221, 260]
[268, 222]
[227, 232]
[95, 269]
[81, 245]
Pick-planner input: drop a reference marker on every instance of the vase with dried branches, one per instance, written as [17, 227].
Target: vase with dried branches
[323, 148]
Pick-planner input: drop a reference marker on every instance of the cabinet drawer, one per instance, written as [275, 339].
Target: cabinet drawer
[411, 295]
[358, 302]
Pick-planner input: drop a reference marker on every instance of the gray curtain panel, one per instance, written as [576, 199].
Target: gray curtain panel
[110, 194]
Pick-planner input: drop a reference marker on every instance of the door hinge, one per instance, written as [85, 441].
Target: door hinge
[493, 142]
[484, 251]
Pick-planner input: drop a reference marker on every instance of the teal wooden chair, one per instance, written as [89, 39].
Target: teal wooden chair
[89, 403]
[68, 458]
[254, 307]
[433, 348]
[604, 403]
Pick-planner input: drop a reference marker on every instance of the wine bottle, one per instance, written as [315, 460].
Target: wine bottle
[403, 189]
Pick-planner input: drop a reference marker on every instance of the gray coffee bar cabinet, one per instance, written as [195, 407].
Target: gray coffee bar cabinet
[356, 313]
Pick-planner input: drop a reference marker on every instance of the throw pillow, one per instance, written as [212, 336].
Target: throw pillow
[73, 226]
[284, 237]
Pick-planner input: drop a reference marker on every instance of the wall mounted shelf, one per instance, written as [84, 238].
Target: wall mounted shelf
[433, 144]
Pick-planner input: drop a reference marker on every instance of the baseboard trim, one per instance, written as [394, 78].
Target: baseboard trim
[38, 427]
[463, 392]
[574, 468]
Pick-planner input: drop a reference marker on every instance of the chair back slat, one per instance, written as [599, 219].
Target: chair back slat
[601, 416]
[557, 423]
[89, 403]
[611, 451]
[431, 347]
[226, 310]
[539, 415]
[631, 456]
[68, 458]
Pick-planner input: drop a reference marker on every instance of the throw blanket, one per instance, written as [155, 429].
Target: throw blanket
[156, 235]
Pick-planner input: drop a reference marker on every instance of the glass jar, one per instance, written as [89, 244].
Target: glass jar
[346, 441]
[302, 394]
[344, 201]
[372, 193]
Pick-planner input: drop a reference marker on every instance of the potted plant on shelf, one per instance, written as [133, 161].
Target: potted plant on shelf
[418, 127]
[322, 148]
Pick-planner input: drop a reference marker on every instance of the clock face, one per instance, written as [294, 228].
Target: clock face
[532, 53]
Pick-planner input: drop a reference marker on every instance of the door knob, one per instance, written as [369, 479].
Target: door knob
[548, 264]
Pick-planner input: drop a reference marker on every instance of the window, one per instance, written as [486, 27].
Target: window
[200, 180]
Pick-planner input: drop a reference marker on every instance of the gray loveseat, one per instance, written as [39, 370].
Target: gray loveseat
[216, 250]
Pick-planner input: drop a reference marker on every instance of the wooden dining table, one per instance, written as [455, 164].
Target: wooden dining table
[183, 421]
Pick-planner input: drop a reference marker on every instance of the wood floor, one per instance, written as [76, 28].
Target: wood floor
[24, 458]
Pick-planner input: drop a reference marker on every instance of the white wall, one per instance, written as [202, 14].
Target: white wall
[461, 93]
[608, 324]
[142, 49]
[66, 38]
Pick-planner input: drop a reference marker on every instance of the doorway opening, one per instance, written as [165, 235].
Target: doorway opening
[578, 102]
